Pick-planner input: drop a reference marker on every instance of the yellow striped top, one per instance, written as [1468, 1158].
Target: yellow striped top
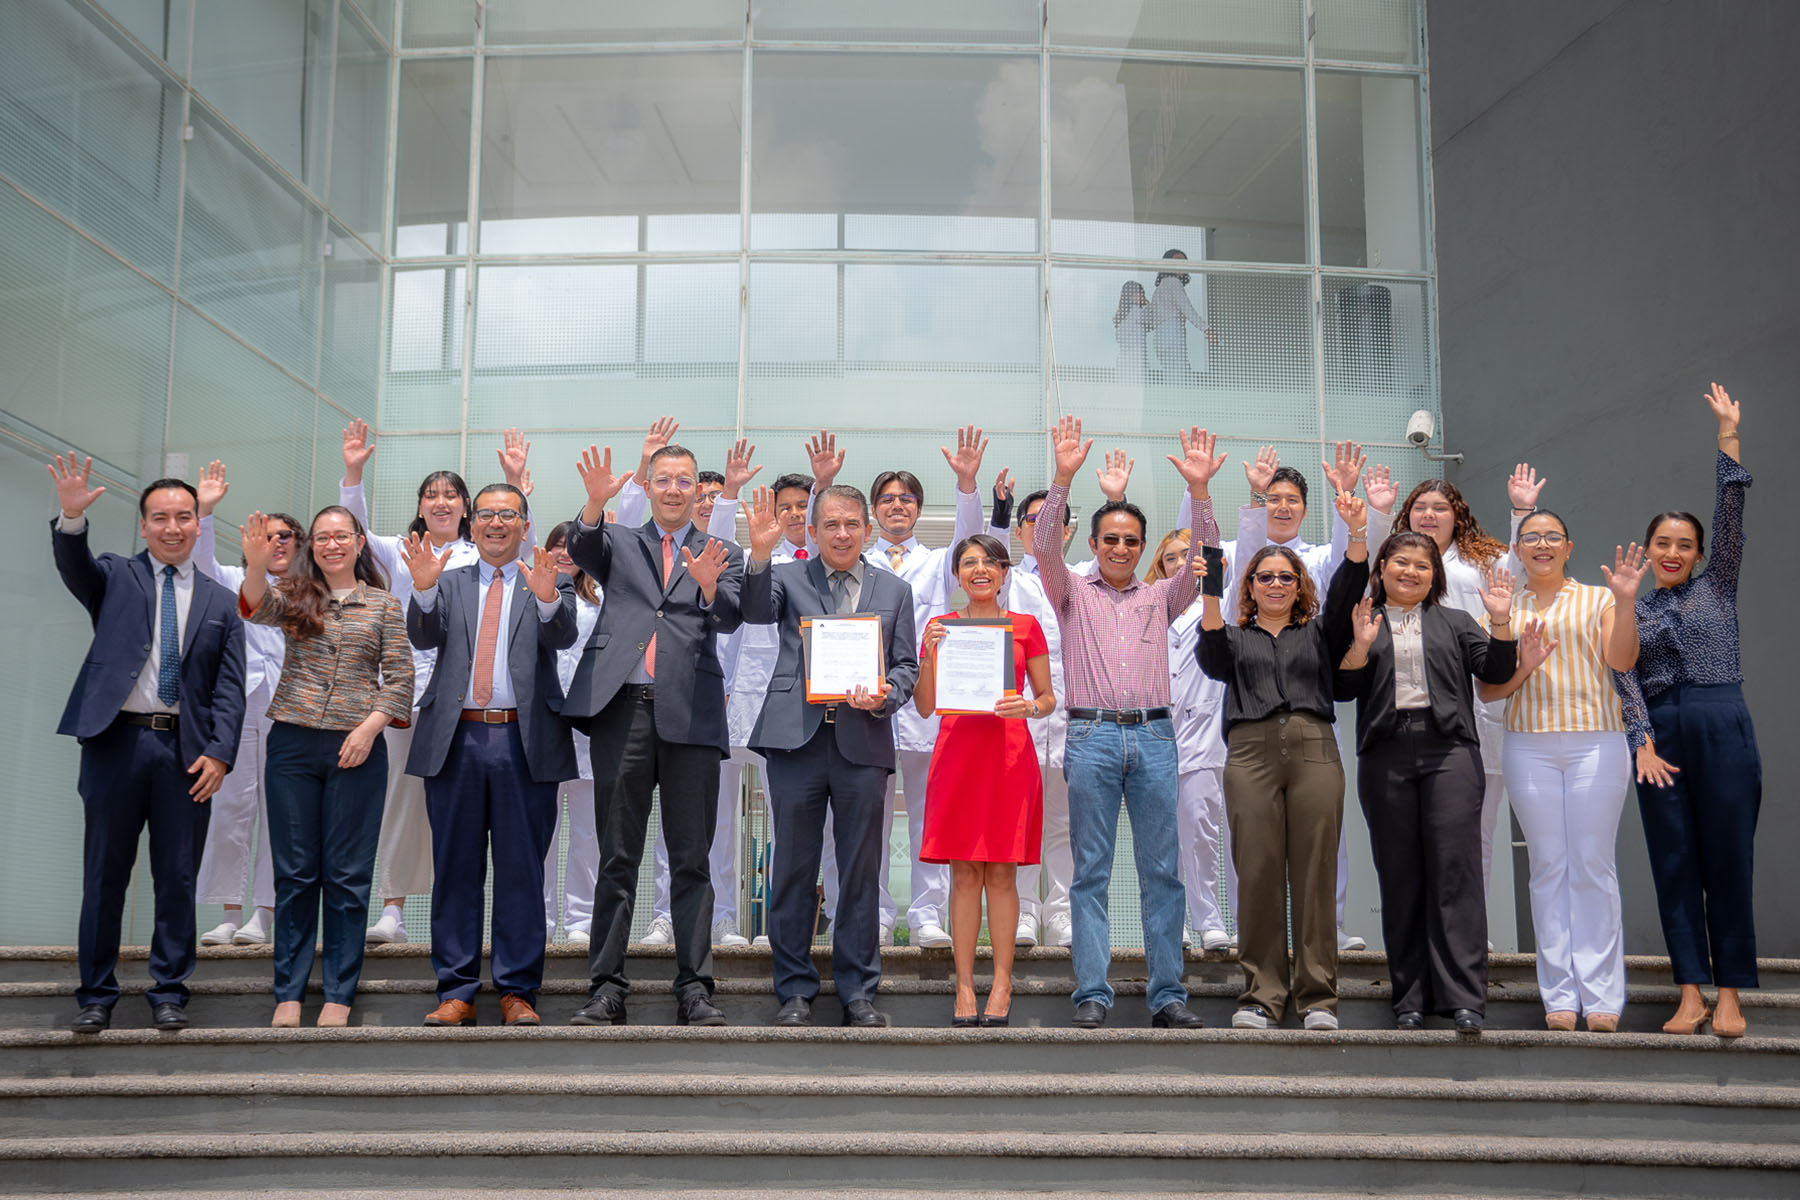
[1573, 691]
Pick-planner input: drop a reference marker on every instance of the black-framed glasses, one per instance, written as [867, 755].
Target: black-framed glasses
[1129, 541]
[1271, 578]
[506, 516]
[897, 498]
[1549, 539]
[284, 536]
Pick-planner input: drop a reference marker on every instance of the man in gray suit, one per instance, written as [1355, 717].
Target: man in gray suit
[491, 747]
[832, 756]
[651, 692]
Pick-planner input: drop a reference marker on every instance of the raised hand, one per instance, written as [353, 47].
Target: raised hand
[426, 565]
[513, 454]
[72, 490]
[1497, 596]
[212, 486]
[525, 482]
[598, 479]
[254, 535]
[1378, 486]
[1260, 472]
[1629, 565]
[359, 448]
[1652, 767]
[1523, 486]
[662, 432]
[1347, 467]
[1365, 625]
[540, 577]
[966, 462]
[707, 566]
[1069, 449]
[1354, 510]
[1198, 464]
[1003, 487]
[738, 470]
[1535, 645]
[763, 526]
[1114, 474]
[825, 458]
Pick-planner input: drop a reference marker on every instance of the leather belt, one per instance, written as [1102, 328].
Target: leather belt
[161, 722]
[491, 716]
[1119, 716]
[645, 692]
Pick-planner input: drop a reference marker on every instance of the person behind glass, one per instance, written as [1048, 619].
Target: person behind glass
[346, 675]
[1131, 326]
[491, 747]
[1171, 312]
[988, 815]
[582, 865]
[651, 691]
[158, 707]
[1121, 742]
[1418, 772]
[1699, 774]
[828, 758]
[237, 837]
[1567, 767]
[1284, 782]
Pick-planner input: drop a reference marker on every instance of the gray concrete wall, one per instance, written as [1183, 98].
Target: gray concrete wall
[1618, 222]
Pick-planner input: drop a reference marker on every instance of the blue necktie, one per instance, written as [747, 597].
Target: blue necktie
[168, 671]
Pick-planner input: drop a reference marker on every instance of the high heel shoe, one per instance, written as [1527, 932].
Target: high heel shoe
[334, 1016]
[287, 1015]
[990, 1021]
[969, 1022]
[1681, 1024]
[1562, 1021]
[1729, 1027]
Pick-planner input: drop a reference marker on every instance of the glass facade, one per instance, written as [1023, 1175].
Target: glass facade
[230, 228]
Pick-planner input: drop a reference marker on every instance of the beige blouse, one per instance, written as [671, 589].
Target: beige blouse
[361, 663]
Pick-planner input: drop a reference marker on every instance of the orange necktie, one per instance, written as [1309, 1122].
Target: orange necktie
[668, 570]
[487, 639]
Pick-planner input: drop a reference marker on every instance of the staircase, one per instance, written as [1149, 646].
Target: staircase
[231, 1106]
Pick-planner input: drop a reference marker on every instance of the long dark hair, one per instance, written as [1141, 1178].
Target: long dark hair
[584, 586]
[304, 586]
[1471, 540]
[462, 489]
[1402, 540]
[1131, 296]
[1306, 597]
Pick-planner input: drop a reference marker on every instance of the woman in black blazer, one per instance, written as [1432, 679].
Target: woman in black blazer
[1419, 773]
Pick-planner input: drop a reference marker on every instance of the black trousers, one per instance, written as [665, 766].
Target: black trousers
[631, 762]
[1421, 794]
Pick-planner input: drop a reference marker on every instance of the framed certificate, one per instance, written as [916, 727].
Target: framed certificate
[974, 664]
[841, 653]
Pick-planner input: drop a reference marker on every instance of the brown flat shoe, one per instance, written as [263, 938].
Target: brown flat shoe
[1730, 1027]
[1603, 1022]
[452, 1012]
[334, 1016]
[287, 1015]
[517, 1011]
[1681, 1024]
[1561, 1021]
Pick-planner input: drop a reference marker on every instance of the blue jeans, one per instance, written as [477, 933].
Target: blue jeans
[1105, 763]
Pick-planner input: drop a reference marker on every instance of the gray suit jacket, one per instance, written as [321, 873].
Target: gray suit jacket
[531, 644]
[787, 593]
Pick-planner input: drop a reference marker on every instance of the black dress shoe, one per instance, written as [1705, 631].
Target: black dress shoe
[795, 1012]
[696, 1008]
[1089, 1014]
[1176, 1015]
[169, 1017]
[603, 1009]
[989, 1021]
[860, 1014]
[1410, 1020]
[93, 1018]
[1467, 1020]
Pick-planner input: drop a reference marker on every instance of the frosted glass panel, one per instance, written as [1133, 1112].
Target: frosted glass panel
[1263, 27]
[351, 321]
[431, 157]
[438, 23]
[359, 118]
[379, 13]
[161, 25]
[1380, 357]
[267, 69]
[1385, 31]
[992, 22]
[1371, 176]
[400, 462]
[557, 21]
[423, 389]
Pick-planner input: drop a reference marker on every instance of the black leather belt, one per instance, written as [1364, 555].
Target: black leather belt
[645, 692]
[1119, 716]
[161, 722]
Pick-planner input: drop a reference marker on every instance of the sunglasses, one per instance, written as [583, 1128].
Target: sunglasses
[1271, 578]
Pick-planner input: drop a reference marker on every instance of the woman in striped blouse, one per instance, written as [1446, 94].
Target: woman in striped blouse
[1568, 768]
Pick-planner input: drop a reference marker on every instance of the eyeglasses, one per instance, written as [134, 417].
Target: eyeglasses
[334, 539]
[1548, 539]
[897, 498]
[506, 516]
[1121, 539]
[283, 537]
[1271, 578]
[680, 483]
[1030, 520]
[977, 564]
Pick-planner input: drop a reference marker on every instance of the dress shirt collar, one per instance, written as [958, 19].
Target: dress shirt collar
[510, 570]
[1094, 580]
[184, 570]
[886, 543]
[681, 535]
[857, 569]
[1297, 544]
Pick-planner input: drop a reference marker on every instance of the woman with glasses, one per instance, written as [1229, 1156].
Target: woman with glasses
[582, 865]
[1567, 767]
[1284, 781]
[986, 817]
[1699, 774]
[346, 674]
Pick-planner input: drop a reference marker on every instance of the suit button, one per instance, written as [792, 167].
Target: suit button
[659, 612]
[146, 647]
[641, 645]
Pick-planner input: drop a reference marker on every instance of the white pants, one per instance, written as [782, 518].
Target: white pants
[581, 868]
[238, 832]
[722, 858]
[403, 854]
[1568, 790]
[1058, 858]
[930, 901]
[1201, 829]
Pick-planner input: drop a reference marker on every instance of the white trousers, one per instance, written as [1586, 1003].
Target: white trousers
[403, 853]
[582, 866]
[237, 834]
[1568, 790]
[722, 858]
[1201, 829]
[1058, 859]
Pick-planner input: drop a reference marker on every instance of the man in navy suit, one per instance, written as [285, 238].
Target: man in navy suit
[651, 692]
[492, 747]
[157, 706]
[834, 756]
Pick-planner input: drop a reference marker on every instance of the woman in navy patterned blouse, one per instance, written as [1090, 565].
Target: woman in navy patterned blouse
[1699, 775]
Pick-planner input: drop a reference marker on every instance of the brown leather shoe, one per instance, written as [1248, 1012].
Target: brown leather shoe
[518, 1011]
[452, 1012]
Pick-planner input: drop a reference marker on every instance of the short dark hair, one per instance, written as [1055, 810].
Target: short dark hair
[792, 480]
[905, 479]
[524, 505]
[673, 451]
[842, 491]
[987, 543]
[1557, 517]
[711, 477]
[1118, 506]
[1290, 475]
[157, 485]
[1041, 494]
[1690, 518]
[1404, 540]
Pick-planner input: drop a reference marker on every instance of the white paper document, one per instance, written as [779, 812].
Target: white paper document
[843, 653]
[974, 666]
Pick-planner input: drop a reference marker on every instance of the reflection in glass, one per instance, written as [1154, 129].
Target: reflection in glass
[1384, 31]
[1371, 172]
[267, 68]
[431, 157]
[1380, 359]
[444, 23]
[555, 316]
[991, 22]
[546, 22]
[425, 351]
[1229, 26]
[359, 114]
[351, 325]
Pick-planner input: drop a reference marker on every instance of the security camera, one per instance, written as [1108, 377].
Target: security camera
[1419, 428]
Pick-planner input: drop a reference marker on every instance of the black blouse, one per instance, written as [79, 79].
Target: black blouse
[1264, 675]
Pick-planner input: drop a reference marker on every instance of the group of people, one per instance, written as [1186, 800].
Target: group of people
[443, 694]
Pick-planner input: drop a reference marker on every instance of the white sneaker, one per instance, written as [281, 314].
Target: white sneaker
[660, 933]
[1320, 1018]
[761, 940]
[725, 933]
[1187, 938]
[1214, 939]
[388, 929]
[1027, 935]
[1349, 941]
[1251, 1017]
[220, 934]
[930, 933]
[885, 936]
[1062, 931]
[578, 937]
[252, 933]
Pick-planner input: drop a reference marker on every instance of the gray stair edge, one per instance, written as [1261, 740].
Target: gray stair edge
[752, 1193]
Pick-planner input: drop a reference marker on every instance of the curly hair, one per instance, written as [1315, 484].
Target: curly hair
[1306, 597]
[1472, 541]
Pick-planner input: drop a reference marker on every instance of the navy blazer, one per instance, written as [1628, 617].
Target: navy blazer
[787, 593]
[690, 683]
[450, 628]
[120, 594]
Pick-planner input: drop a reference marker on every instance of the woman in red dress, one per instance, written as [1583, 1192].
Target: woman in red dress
[986, 816]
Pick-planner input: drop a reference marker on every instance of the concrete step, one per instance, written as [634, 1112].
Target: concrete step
[1089, 1163]
[731, 1193]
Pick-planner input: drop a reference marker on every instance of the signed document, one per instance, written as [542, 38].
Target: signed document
[842, 653]
[974, 664]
